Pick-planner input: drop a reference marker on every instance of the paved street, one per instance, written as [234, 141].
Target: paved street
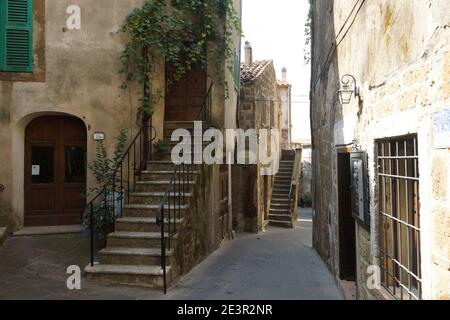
[277, 264]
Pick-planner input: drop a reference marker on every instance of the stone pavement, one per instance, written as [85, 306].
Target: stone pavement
[277, 264]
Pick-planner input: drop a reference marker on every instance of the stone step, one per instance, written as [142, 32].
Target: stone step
[279, 182]
[285, 167]
[155, 198]
[159, 186]
[191, 156]
[282, 187]
[280, 217]
[170, 144]
[280, 199]
[281, 224]
[148, 276]
[138, 224]
[283, 176]
[278, 211]
[135, 239]
[164, 175]
[150, 210]
[169, 131]
[132, 256]
[160, 165]
[281, 195]
[282, 181]
[280, 205]
[286, 176]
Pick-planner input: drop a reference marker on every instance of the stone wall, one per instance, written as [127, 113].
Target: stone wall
[200, 232]
[401, 62]
[257, 99]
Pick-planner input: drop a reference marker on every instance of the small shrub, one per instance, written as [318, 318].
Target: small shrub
[307, 200]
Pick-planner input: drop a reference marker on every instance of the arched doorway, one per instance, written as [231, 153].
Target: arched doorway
[55, 171]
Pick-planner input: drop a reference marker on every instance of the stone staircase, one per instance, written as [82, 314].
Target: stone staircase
[133, 252]
[280, 205]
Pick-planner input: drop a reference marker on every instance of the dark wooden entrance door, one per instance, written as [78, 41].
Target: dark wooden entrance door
[347, 238]
[55, 171]
[184, 98]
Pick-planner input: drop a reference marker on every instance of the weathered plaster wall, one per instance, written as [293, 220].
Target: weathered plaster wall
[81, 79]
[284, 93]
[401, 62]
[77, 74]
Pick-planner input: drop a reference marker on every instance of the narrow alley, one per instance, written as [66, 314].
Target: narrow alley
[167, 150]
[277, 264]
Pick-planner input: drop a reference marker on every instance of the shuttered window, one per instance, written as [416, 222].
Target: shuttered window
[16, 35]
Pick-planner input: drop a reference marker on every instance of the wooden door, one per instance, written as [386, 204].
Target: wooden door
[184, 98]
[55, 171]
[347, 237]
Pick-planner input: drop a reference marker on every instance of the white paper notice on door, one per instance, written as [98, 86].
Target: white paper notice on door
[35, 170]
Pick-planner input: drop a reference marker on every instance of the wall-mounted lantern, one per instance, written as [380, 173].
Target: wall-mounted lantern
[348, 88]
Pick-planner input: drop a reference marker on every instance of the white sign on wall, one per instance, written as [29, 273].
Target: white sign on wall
[99, 136]
[73, 22]
[441, 128]
[35, 170]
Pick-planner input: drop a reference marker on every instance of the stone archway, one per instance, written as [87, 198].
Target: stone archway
[54, 170]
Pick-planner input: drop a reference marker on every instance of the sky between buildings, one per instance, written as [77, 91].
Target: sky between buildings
[275, 28]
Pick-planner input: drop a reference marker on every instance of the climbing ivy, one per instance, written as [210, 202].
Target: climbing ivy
[308, 31]
[181, 32]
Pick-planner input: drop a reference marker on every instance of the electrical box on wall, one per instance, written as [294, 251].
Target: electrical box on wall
[360, 188]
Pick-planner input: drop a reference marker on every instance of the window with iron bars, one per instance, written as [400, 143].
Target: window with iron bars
[398, 177]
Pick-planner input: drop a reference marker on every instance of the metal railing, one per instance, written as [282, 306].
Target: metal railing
[108, 204]
[205, 114]
[175, 200]
[293, 190]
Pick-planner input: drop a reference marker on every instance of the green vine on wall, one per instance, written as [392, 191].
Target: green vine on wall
[308, 31]
[184, 33]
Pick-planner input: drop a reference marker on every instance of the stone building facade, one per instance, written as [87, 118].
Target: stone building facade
[70, 91]
[399, 54]
[285, 94]
[259, 109]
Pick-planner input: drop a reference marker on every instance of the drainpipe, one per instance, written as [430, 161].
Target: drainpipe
[146, 119]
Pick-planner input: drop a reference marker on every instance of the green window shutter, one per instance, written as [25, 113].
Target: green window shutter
[16, 35]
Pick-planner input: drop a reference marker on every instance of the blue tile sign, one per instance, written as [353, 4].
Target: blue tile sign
[441, 123]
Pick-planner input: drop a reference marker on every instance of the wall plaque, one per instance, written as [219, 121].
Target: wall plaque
[441, 128]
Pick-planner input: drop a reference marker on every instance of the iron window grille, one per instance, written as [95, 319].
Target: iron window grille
[398, 177]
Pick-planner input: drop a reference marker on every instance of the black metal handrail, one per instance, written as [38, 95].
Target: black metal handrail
[204, 114]
[104, 208]
[168, 215]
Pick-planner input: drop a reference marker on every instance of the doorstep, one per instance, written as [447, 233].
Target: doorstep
[348, 289]
[35, 231]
